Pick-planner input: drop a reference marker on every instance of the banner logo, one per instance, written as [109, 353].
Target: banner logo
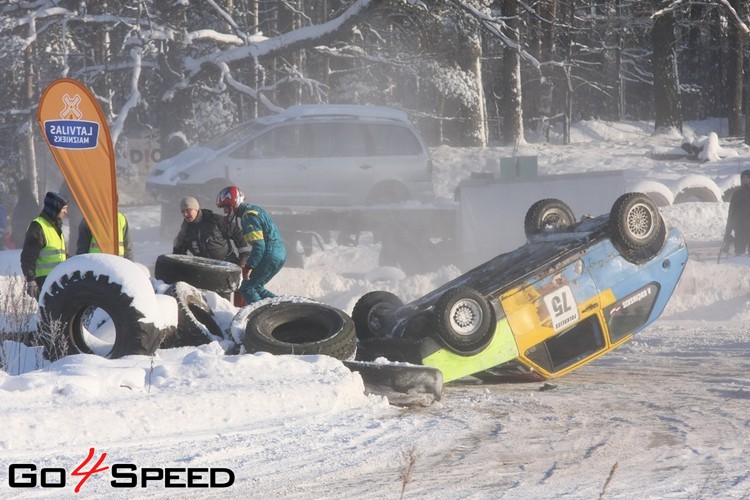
[72, 132]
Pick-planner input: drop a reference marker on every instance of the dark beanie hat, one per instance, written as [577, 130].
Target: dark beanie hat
[53, 203]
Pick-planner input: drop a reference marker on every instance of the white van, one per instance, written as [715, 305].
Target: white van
[306, 156]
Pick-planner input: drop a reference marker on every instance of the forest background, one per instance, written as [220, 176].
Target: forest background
[470, 73]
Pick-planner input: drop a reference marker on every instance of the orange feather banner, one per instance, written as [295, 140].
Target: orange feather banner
[76, 132]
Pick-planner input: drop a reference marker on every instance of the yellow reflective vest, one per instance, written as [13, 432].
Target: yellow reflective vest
[53, 252]
[94, 246]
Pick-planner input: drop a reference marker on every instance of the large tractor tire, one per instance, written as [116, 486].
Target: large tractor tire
[90, 310]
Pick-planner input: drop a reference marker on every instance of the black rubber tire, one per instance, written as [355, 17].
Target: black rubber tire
[547, 215]
[70, 300]
[373, 314]
[195, 321]
[300, 328]
[636, 227]
[207, 274]
[463, 320]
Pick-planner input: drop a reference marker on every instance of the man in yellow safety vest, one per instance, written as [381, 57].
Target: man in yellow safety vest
[44, 243]
[87, 244]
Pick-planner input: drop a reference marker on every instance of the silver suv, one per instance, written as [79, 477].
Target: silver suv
[307, 156]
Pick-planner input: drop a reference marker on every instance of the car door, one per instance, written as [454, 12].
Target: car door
[272, 168]
[340, 168]
[551, 304]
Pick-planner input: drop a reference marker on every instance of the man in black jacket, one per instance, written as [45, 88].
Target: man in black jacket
[204, 233]
[738, 219]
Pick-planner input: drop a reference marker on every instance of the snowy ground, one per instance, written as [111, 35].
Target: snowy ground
[665, 416]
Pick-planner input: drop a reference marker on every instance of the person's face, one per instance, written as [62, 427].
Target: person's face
[189, 214]
[227, 210]
[63, 212]
[745, 179]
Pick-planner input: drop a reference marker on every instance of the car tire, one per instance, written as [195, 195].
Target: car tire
[546, 216]
[300, 328]
[636, 227]
[69, 304]
[388, 193]
[195, 321]
[373, 314]
[207, 274]
[463, 320]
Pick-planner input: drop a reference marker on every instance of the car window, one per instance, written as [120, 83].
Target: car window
[281, 142]
[568, 347]
[330, 140]
[393, 140]
[629, 314]
[233, 135]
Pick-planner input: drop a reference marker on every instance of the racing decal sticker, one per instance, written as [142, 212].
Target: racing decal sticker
[562, 307]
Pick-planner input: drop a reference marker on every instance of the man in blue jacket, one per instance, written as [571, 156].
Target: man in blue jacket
[267, 255]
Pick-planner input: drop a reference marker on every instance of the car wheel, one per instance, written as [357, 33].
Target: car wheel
[195, 322]
[546, 216]
[85, 312]
[388, 193]
[207, 274]
[463, 320]
[373, 314]
[300, 328]
[636, 227]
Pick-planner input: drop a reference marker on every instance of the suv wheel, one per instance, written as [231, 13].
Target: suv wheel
[388, 193]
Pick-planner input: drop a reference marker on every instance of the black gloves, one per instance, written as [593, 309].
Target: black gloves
[32, 289]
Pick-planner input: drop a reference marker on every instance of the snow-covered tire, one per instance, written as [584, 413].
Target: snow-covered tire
[373, 314]
[300, 328]
[636, 227]
[71, 300]
[207, 274]
[547, 215]
[195, 322]
[463, 320]
[699, 193]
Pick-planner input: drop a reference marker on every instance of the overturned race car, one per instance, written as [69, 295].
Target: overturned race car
[572, 293]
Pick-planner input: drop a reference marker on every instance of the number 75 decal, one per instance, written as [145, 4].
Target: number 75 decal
[562, 307]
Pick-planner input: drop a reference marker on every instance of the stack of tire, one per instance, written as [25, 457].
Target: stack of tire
[106, 305]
